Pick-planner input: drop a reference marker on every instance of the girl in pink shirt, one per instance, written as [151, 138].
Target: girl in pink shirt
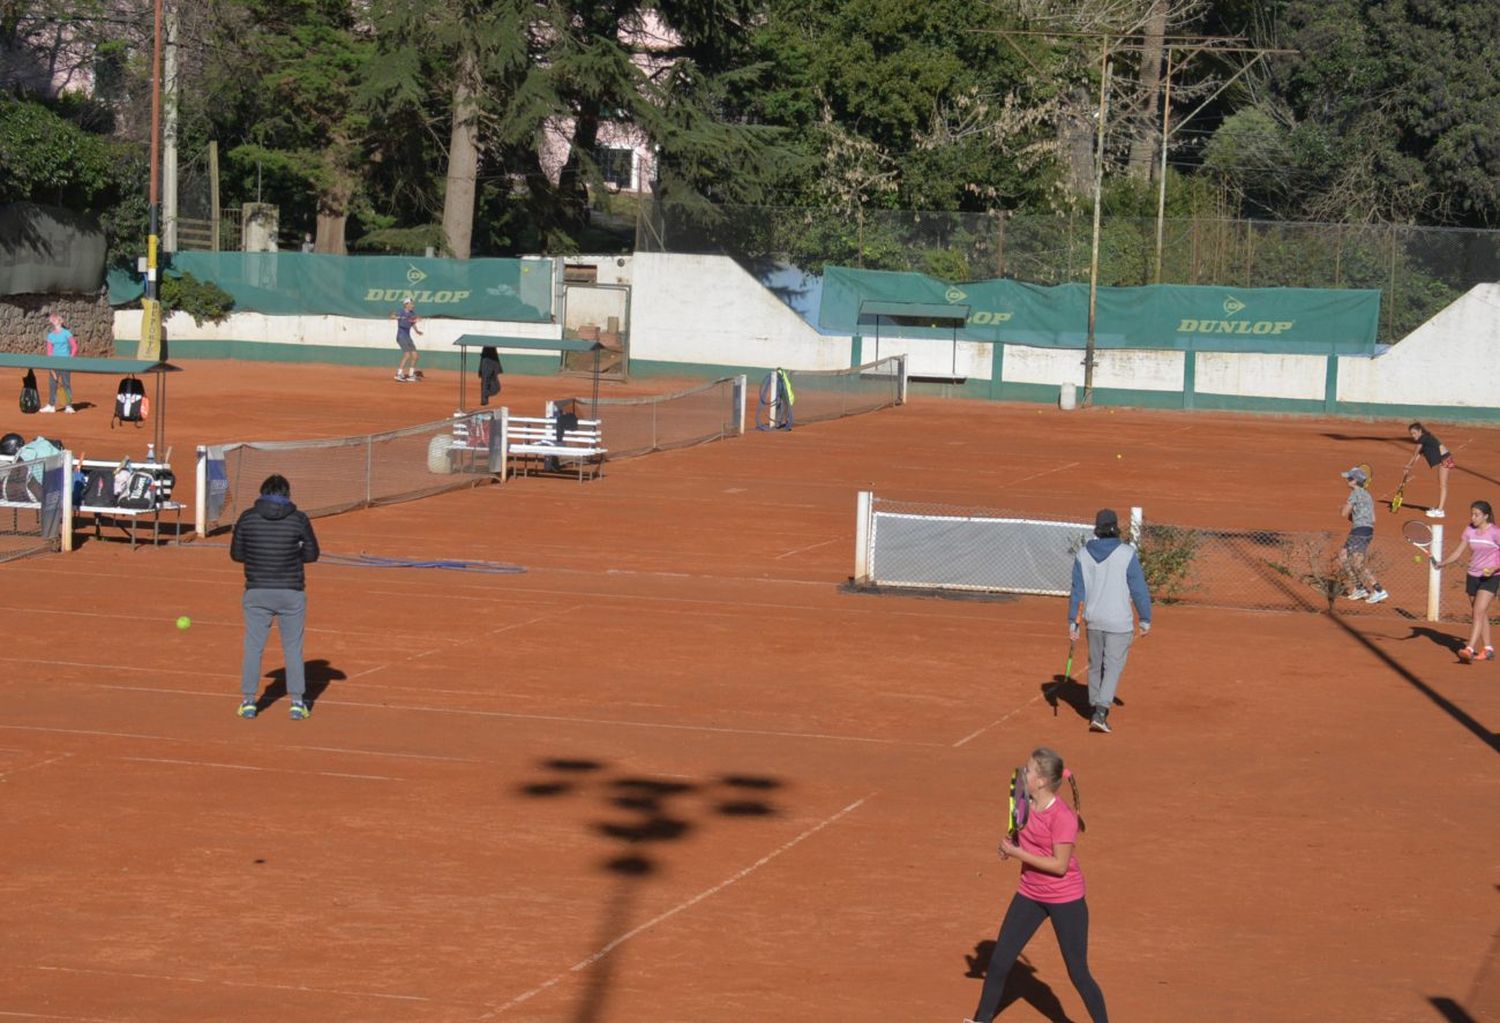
[1051, 886]
[1482, 540]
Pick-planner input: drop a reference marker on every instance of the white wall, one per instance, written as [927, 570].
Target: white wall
[1449, 360]
[1134, 369]
[437, 335]
[1266, 376]
[929, 357]
[707, 309]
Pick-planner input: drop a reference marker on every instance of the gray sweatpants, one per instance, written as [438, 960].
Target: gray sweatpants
[289, 607]
[1107, 653]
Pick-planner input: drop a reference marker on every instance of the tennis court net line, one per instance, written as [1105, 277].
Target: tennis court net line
[341, 474]
[639, 426]
[817, 395]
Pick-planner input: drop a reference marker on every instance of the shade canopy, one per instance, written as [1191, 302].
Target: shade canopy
[945, 315]
[545, 344]
[11, 360]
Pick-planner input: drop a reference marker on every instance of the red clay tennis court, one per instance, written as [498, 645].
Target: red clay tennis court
[674, 772]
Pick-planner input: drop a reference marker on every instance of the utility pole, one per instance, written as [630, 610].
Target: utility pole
[1105, 71]
[169, 134]
[151, 305]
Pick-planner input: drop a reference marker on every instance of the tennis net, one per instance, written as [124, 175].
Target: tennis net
[344, 473]
[638, 426]
[905, 545]
[924, 547]
[834, 393]
[32, 505]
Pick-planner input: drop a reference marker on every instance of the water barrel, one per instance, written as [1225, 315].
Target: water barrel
[1067, 398]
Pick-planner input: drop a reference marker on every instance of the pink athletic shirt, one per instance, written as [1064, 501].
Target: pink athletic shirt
[1056, 825]
[1484, 546]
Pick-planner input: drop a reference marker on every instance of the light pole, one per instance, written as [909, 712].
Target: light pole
[151, 304]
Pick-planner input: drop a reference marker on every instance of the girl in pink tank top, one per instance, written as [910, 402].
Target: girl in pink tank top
[1051, 887]
[1482, 541]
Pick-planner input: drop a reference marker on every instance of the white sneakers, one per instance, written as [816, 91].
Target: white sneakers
[1376, 597]
[69, 409]
[1432, 513]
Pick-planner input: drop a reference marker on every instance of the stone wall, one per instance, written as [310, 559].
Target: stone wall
[23, 323]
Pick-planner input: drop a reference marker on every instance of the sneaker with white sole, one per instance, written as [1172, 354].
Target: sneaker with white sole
[301, 712]
[46, 408]
[1099, 722]
[69, 409]
[401, 377]
[1376, 597]
[1359, 594]
[1432, 513]
[247, 709]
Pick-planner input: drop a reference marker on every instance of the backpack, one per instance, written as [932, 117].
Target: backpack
[99, 489]
[139, 492]
[31, 399]
[130, 400]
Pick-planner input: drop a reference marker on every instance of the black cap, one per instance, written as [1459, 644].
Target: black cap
[1106, 517]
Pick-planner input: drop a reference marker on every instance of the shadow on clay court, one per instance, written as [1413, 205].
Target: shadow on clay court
[1447, 706]
[1064, 690]
[319, 673]
[1451, 1011]
[1021, 985]
[641, 815]
[1405, 442]
[1453, 644]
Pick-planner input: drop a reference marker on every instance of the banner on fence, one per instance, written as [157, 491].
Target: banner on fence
[1313, 321]
[314, 284]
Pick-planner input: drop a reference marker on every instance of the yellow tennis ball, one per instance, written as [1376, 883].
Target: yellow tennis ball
[184, 621]
[1417, 558]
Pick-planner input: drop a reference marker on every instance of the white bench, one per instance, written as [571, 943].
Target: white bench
[529, 438]
[127, 518]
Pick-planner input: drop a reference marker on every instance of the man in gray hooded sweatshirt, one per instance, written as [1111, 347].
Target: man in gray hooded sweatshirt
[1107, 580]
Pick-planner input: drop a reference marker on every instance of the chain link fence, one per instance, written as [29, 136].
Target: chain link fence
[1419, 270]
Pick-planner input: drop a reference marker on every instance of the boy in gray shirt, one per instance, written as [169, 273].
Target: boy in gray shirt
[1359, 509]
[1108, 584]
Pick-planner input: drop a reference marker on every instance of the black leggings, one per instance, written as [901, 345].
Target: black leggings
[1070, 922]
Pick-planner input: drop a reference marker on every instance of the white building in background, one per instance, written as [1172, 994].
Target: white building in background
[626, 156]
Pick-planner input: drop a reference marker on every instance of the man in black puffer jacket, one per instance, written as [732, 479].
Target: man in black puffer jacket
[273, 540]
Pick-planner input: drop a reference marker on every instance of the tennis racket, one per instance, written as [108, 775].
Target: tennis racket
[1400, 494]
[1068, 668]
[1020, 809]
[1418, 534]
[1369, 473]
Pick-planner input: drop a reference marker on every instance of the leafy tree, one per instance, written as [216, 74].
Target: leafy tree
[290, 103]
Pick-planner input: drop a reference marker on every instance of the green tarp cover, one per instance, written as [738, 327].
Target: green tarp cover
[46, 250]
[10, 360]
[314, 284]
[1164, 316]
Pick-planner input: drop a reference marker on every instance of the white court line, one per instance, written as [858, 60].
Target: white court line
[227, 983]
[814, 546]
[999, 721]
[247, 767]
[226, 742]
[71, 1019]
[27, 767]
[448, 645]
[512, 715]
[1044, 472]
[584, 964]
